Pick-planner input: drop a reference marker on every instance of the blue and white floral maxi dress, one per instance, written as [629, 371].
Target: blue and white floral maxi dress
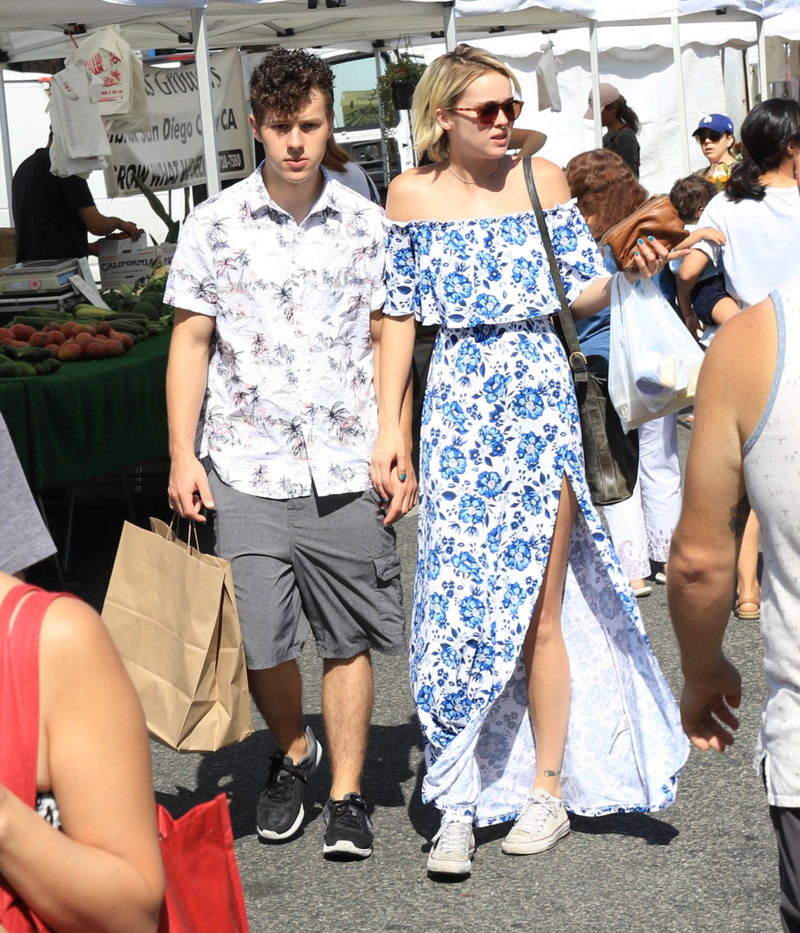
[499, 431]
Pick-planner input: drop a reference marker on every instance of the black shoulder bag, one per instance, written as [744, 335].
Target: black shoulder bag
[611, 457]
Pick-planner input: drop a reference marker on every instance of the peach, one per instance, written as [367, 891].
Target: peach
[95, 351]
[71, 353]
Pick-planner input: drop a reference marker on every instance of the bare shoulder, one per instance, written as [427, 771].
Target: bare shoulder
[747, 345]
[74, 640]
[550, 180]
[750, 336]
[409, 193]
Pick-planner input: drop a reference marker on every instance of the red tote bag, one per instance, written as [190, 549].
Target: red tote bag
[203, 888]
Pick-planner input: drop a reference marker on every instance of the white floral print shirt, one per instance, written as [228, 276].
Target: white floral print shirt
[290, 397]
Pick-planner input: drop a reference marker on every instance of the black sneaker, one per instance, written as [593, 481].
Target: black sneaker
[280, 806]
[349, 830]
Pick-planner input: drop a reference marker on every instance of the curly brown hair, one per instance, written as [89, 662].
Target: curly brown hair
[606, 189]
[690, 195]
[283, 82]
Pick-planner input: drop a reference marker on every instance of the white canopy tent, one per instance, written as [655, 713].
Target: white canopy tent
[38, 30]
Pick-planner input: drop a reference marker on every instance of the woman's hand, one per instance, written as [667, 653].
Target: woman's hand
[392, 474]
[650, 258]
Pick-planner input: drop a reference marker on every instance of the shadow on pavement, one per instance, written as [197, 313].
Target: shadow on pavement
[654, 831]
[240, 771]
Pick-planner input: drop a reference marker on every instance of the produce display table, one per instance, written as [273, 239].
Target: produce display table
[90, 418]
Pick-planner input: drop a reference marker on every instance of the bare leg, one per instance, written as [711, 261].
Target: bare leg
[724, 309]
[347, 695]
[747, 587]
[546, 661]
[278, 692]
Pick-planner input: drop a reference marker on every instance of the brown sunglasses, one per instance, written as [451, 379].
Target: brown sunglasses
[487, 113]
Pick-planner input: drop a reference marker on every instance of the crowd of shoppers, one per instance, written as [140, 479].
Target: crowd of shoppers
[297, 304]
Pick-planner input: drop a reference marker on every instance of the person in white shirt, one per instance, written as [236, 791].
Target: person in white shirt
[339, 165]
[759, 214]
[278, 284]
[744, 454]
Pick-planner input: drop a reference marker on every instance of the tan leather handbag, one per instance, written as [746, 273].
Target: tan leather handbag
[657, 217]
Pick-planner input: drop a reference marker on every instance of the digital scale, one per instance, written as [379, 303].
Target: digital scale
[43, 283]
[42, 276]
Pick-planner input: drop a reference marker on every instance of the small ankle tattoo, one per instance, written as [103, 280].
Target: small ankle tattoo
[551, 774]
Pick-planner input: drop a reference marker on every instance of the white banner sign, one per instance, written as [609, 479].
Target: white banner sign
[171, 154]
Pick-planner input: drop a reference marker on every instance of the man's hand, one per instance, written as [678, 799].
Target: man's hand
[130, 229]
[706, 708]
[404, 496]
[393, 475]
[188, 489]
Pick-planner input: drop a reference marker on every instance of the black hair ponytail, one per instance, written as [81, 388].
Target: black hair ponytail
[627, 115]
[743, 185]
[767, 131]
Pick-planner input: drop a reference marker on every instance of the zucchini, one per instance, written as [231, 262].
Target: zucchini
[8, 369]
[125, 316]
[34, 354]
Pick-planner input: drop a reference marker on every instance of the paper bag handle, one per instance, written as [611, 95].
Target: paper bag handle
[192, 531]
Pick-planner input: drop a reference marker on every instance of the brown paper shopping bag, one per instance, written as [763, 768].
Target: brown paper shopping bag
[171, 612]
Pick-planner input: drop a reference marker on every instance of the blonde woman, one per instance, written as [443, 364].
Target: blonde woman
[528, 702]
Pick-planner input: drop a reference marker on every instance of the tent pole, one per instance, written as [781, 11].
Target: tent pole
[595, 62]
[6, 145]
[678, 59]
[762, 59]
[201, 57]
[450, 37]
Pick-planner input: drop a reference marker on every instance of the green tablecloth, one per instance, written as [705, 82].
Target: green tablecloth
[90, 418]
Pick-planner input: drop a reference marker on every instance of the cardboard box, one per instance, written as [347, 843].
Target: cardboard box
[125, 262]
[8, 247]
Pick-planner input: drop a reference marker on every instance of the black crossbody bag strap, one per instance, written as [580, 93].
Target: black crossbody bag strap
[569, 337]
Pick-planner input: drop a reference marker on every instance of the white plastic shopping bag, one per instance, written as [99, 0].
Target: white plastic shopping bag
[653, 361]
[107, 56]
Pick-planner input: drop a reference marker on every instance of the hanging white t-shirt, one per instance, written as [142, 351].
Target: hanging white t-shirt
[760, 253]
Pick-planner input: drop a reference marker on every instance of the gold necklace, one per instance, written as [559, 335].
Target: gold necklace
[464, 180]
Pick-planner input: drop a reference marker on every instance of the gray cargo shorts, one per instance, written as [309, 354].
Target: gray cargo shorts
[327, 563]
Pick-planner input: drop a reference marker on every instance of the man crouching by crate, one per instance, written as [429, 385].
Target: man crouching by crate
[278, 285]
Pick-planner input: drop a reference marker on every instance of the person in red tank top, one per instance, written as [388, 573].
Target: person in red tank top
[72, 728]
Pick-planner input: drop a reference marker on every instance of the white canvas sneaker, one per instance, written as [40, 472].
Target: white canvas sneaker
[541, 824]
[452, 850]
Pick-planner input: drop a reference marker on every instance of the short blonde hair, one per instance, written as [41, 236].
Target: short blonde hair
[440, 87]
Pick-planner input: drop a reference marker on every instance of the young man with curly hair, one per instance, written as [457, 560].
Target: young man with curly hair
[278, 285]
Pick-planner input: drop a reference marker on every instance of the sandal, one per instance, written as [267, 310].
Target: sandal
[750, 615]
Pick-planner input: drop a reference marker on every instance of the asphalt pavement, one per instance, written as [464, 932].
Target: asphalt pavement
[708, 864]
